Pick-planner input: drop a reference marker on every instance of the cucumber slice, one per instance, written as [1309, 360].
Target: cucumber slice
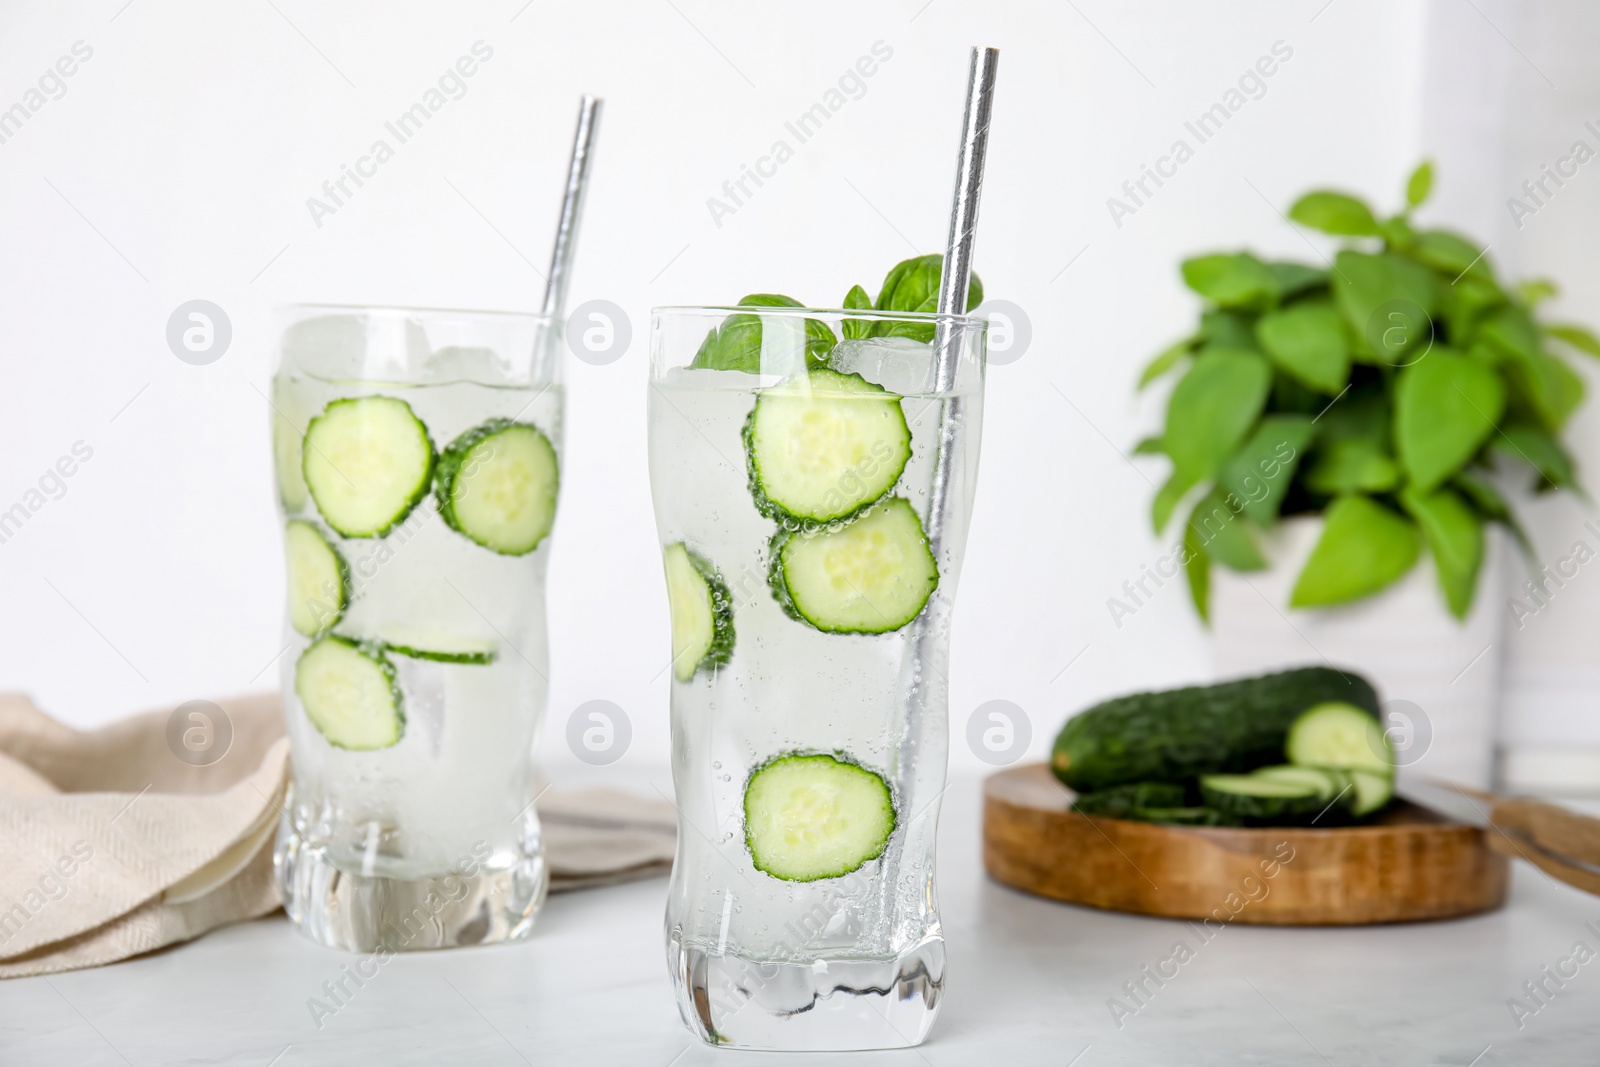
[823, 447]
[1373, 791]
[702, 613]
[1255, 799]
[497, 486]
[809, 817]
[1341, 735]
[1120, 800]
[367, 461]
[319, 579]
[870, 577]
[1327, 782]
[350, 694]
[286, 460]
[441, 646]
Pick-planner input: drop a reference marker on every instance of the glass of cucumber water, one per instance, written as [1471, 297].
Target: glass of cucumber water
[418, 455]
[813, 480]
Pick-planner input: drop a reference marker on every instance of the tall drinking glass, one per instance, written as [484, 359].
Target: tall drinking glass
[812, 487]
[418, 455]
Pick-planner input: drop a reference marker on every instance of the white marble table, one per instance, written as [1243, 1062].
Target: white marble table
[1028, 984]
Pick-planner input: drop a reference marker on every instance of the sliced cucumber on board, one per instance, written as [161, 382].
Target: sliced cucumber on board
[319, 579]
[702, 612]
[871, 576]
[1182, 816]
[1174, 735]
[498, 484]
[823, 446]
[1373, 790]
[1336, 734]
[809, 817]
[440, 646]
[350, 694]
[1328, 782]
[367, 462]
[1259, 800]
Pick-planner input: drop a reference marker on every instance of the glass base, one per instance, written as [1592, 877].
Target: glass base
[841, 1005]
[369, 913]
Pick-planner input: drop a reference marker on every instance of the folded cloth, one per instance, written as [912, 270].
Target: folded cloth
[118, 841]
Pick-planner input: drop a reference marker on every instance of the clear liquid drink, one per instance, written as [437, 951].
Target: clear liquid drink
[417, 457]
[799, 460]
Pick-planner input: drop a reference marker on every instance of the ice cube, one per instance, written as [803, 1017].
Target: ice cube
[464, 363]
[378, 346]
[899, 364]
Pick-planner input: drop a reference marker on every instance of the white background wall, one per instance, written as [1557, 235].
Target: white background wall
[178, 164]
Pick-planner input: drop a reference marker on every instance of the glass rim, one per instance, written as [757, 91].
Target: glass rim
[405, 309]
[869, 314]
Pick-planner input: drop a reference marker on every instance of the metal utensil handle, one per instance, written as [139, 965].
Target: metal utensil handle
[555, 289]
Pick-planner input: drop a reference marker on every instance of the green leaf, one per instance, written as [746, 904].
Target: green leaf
[1488, 502]
[1228, 329]
[1295, 278]
[1363, 412]
[1216, 525]
[1260, 473]
[1549, 385]
[1211, 409]
[1352, 465]
[1232, 280]
[1335, 213]
[1386, 300]
[1364, 546]
[1575, 335]
[1455, 537]
[912, 282]
[1168, 359]
[1535, 446]
[1535, 291]
[736, 344]
[1308, 341]
[1150, 446]
[1445, 406]
[1168, 497]
[1420, 184]
[1397, 232]
[1197, 569]
[1463, 304]
[1451, 254]
[856, 300]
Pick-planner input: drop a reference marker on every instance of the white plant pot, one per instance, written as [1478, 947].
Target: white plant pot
[1438, 678]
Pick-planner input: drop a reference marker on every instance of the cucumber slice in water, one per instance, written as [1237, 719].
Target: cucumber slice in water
[367, 462]
[441, 646]
[702, 612]
[812, 817]
[350, 694]
[1256, 799]
[319, 579]
[497, 486]
[870, 577]
[286, 460]
[1336, 734]
[824, 446]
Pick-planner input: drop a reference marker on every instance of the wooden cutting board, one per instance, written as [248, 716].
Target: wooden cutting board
[1410, 864]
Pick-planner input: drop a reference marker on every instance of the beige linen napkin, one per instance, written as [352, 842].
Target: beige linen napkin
[112, 845]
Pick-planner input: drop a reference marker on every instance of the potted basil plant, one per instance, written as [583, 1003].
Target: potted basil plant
[1381, 391]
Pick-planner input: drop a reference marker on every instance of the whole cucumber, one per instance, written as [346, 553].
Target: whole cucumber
[1208, 729]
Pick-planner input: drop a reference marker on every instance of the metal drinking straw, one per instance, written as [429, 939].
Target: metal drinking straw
[555, 290]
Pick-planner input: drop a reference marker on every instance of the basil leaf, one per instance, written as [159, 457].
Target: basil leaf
[1364, 546]
[1335, 213]
[1150, 446]
[1387, 301]
[1462, 305]
[1211, 409]
[1232, 280]
[1549, 385]
[1536, 447]
[736, 344]
[1197, 569]
[1353, 465]
[1308, 341]
[1228, 329]
[1164, 362]
[1225, 537]
[1445, 406]
[1455, 537]
[913, 285]
[1451, 254]
[1294, 278]
[1260, 473]
[1167, 498]
[1420, 184]
[1488, 503]
[1536, 291]
[1362, 412]
[856, 300]
[1575, 335]
[1397, 232]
